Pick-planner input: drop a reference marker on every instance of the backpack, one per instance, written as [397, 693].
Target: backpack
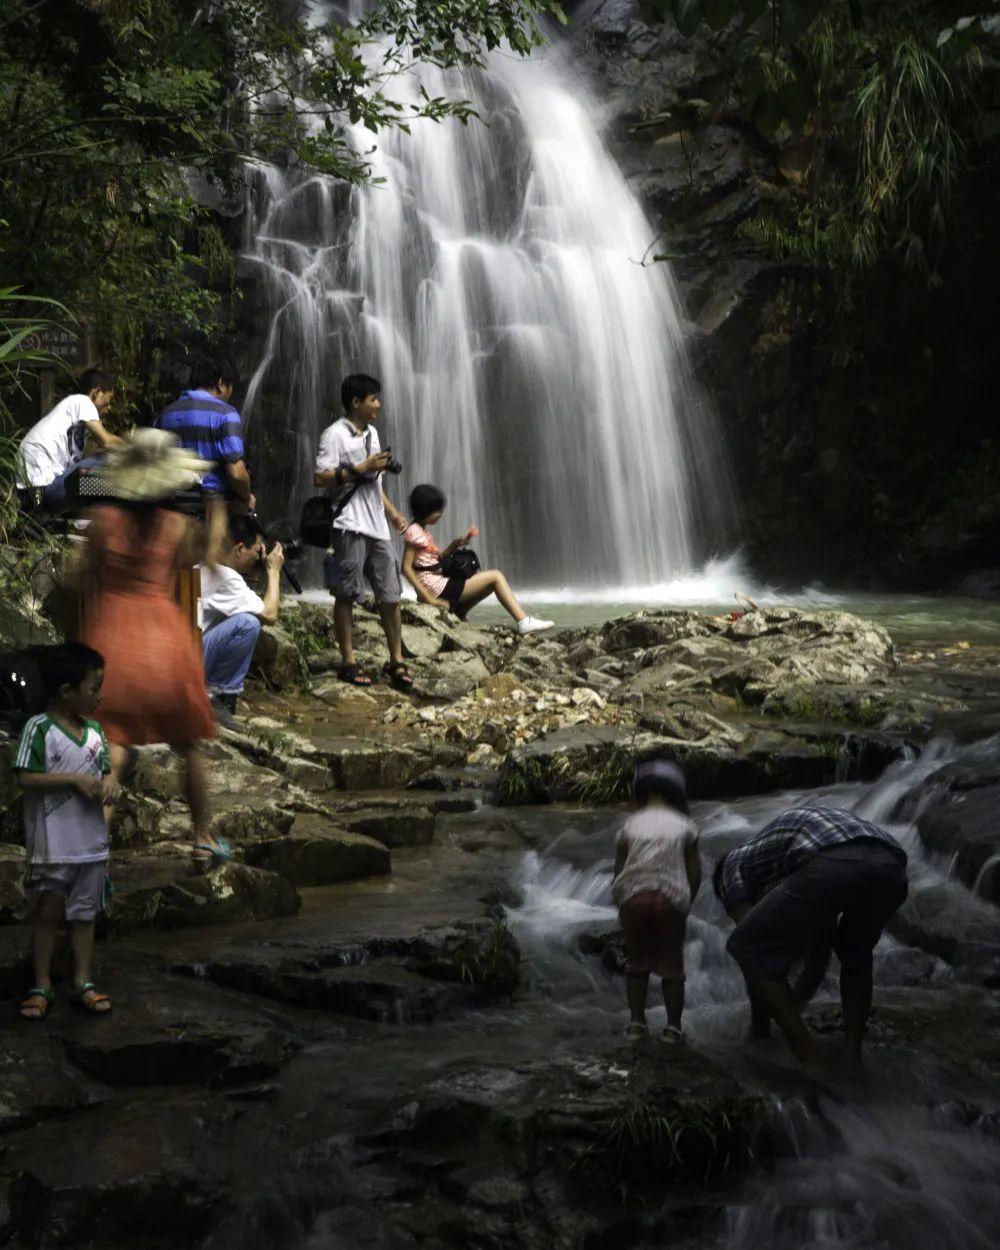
[461, 564]
[22, 693]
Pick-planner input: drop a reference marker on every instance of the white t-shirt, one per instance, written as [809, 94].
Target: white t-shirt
[224, 593]
[61, 826]
[340, 444]
[656, 839]
[56, 443]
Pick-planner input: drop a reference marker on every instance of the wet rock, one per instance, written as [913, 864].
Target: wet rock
[15, 904]
[555, 1139]
[276, 658]
[361, 764]
[421, 975]
[964, 824]
[451, 675]
[161, 892]
[965, 933]
[316, 855]
[35, 1081]
[452, 779]
[409, 826]
[595, 763]
[307, 774]
[139, 1176]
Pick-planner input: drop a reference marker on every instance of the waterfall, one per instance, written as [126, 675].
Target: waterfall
[532, 367]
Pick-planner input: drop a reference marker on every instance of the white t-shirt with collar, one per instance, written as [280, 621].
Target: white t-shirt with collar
[55, 444]
[224, 593]
[340, 444]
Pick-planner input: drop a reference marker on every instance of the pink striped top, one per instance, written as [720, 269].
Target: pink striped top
[428, 553]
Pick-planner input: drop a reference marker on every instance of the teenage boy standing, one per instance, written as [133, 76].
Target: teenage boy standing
[350, 458]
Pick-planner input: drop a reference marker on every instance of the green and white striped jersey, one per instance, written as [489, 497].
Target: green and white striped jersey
[61, 826]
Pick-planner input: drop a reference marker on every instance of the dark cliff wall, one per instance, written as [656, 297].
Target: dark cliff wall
[863, 437]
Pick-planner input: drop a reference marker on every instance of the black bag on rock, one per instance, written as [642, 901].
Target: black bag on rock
[316, 525]
[461, 564]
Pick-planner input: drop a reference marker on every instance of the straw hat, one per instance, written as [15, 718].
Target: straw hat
[153, 465]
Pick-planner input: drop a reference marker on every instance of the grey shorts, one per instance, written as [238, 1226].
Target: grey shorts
[82, 886]
[361, 557]
[847, 894]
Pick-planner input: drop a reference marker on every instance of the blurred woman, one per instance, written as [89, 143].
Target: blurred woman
[154, 685]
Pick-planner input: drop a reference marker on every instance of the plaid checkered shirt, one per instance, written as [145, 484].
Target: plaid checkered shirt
[788, 842]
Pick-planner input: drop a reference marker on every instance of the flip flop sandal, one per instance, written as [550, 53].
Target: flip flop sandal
[211, 852]
[399, 676]
[354, 676]
[634, 1031]
[88, 998]
[673, 1036]
[38, 1010]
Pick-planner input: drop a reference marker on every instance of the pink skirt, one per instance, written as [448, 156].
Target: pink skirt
[654, 935]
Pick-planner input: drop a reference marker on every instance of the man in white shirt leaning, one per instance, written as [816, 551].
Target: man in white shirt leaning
[54, 446]
[351, 459]
[233, 613]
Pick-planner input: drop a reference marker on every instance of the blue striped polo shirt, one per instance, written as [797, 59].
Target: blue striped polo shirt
[210, 428]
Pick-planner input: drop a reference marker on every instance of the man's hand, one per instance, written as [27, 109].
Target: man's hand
[87, 786]
[110, 789]
[252, 502]
[374, 464]
[275, 558]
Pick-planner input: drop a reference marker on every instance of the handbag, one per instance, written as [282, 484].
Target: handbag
[461, 564]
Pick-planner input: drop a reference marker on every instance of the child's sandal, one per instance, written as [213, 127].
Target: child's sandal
[89, 999]
[635, 1031]
[39, 1008]
[673, 1036]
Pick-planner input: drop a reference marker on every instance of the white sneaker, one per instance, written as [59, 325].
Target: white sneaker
[533, 625]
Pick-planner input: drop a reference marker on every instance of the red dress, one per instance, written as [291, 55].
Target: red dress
[154, 681]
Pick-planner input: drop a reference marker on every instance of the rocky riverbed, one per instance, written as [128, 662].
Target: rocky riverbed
[394, 1018]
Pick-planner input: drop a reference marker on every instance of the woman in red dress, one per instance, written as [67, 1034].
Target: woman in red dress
[154, 684]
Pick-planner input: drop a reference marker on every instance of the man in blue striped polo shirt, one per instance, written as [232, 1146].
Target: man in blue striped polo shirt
[209, 426]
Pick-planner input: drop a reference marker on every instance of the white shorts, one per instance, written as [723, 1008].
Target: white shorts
[82, 886]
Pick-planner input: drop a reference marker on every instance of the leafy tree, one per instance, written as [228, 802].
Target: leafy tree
[882, 105]
[106, 106]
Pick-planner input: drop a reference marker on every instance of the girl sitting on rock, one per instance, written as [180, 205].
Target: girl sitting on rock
[422, 567]
[657, 875]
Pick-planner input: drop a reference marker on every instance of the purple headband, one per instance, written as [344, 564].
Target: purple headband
[665, 770]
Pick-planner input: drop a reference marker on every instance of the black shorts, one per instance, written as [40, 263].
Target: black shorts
[849, 892]
[452, 592]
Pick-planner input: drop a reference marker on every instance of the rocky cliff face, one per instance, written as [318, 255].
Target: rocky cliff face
[860, 437]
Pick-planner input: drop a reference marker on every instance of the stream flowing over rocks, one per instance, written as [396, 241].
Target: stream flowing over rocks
[395, 1018]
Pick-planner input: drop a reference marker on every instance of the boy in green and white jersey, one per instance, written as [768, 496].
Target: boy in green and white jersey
[63, 766]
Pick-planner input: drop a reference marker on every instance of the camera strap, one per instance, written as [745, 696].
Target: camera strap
[338, 506]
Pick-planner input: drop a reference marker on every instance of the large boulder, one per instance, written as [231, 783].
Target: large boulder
[317, 853]
[164, 892]
[277, 658]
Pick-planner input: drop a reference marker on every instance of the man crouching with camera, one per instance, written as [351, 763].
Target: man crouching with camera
[350, 465]
[233, 613]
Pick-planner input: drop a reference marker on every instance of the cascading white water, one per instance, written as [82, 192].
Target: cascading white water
[532, 368]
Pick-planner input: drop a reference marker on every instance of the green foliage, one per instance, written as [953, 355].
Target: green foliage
[491, 967]
[22, 319]
[109, 107]
[879, 106]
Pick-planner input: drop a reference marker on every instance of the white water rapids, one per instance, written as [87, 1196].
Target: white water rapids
[532, 367]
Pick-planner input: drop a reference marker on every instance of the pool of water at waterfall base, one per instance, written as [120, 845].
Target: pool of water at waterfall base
[907, 1159]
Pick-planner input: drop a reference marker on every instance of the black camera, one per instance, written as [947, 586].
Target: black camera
[292, 549]
[393, 466]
